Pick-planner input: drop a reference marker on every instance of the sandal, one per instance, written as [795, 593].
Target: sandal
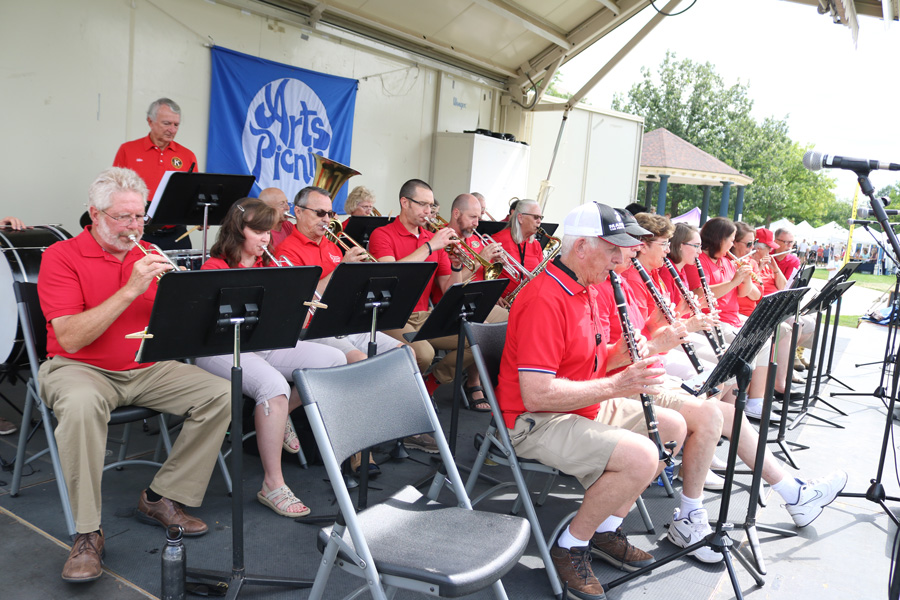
[356, 460]
[477, 404]
[290, 438]
[281, 499]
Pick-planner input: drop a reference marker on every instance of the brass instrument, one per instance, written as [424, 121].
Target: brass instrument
[156, 250]
[335, 232]
[553, 248]
[375, 212]
[284, 262]
[491, 270]
[513, 268]
[331, 175]
[312, 304]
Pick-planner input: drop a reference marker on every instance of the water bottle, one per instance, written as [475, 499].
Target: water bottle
[668, 472]
[174, 564]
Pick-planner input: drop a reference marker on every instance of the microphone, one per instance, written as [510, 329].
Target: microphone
[815, 161]
[864, 213]
[866, 223]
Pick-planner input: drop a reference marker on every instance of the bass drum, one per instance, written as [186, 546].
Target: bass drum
[23, 251]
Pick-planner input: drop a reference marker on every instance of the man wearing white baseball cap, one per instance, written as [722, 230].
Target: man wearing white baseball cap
[553, 389]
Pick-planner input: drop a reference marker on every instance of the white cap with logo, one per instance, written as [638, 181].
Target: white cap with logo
[593, 219]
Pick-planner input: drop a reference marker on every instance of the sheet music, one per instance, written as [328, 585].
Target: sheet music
[159, 193]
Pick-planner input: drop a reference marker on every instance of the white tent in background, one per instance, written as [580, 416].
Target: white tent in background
[804, 231]
[781, 224]
[691, 217]
[830, 233]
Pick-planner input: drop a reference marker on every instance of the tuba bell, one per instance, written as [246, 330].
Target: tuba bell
[331, 175]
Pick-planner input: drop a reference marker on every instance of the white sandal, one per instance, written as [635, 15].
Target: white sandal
[282, 497]
[290, 436]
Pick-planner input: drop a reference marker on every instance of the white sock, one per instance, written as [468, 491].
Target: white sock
[611, 523]
[789, 489]
[690, 504]
[754, 403]
[567, 540]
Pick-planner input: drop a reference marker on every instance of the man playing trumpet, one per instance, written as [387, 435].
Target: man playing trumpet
[94, 289]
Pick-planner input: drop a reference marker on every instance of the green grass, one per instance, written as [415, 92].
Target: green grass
[849, 321]
[882, 283]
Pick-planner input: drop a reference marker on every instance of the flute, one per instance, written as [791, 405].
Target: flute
[710, 300]
[692, 305]
[663, 307]
[740, 262]
[665, 451]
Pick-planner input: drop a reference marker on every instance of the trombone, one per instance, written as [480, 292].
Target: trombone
[469, 258]
[514, 268]
[335, 233]
[156, 250]
[286, 262]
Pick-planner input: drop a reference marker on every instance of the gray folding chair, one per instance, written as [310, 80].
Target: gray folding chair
[487, 347]
[408, 541]
[34, 331]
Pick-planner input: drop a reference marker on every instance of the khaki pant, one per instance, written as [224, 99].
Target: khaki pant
[445, 370]
[83, 396]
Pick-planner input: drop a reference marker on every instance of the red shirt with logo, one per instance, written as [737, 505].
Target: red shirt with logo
[529, 254]
[303, 252]
[554, 327]
[78, 275]
[394, 240]
[146, 158]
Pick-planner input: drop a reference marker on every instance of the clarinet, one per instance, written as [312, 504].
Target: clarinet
[692, 305]
[665, 452]
[710, 300]
[663, 307]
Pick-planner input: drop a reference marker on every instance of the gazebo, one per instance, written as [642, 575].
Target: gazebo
[666, 158]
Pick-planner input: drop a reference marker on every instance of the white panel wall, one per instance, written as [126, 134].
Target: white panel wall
[78, 76]
[598, 159]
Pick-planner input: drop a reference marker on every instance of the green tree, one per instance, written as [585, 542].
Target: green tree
[692, 101]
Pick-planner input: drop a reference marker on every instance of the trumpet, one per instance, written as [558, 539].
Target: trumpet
[156, 250]
[335, 232]
[284, 262]
[469, 258]
[375, 212]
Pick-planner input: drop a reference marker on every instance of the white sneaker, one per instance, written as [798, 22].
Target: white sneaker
[753, 411]
[713, 482]
[686, 531]
[815, 495]
[717, 463]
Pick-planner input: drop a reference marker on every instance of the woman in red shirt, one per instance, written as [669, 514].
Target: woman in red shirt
[241, 243]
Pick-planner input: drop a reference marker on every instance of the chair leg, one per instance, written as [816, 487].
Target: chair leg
[57, 470]
[23, 441]
[499, 592]
[648, 522]
[123, 449]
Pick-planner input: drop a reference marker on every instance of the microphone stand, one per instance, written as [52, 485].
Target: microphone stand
[876, 492]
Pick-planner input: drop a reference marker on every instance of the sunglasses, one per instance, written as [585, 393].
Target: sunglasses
[321, 213]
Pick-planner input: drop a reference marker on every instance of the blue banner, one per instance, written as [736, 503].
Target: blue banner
[267, 119]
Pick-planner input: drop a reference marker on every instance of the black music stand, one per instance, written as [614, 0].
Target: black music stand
[492, 228]
[369, 297]
[197, 199]
[822, 302]
[208, 313]
[549, 229]
[360, 228]
[736, 362]
[463, 303]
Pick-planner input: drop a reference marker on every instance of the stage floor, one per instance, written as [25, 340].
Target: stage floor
[844, 554]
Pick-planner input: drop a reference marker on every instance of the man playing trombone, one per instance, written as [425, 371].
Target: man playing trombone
[94, 289]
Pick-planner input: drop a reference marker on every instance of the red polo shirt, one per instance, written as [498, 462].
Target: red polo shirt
[279, 236]
[146, 158]
[554, 327]
[77, 275]
[720, 271]
[303, 252]
[787, 264]
[394, 240]
[529, 254]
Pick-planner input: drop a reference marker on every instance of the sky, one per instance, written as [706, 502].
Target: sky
[800, 66]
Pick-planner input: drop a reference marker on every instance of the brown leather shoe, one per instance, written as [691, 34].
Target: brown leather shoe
[85, 562]
[166, 512]
[574, 569]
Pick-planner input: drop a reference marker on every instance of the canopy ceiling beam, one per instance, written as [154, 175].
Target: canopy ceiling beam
[532, 23]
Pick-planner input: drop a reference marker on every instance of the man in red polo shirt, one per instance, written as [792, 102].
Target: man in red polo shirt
[151, 156]
[563, 410]
[406, 239]
[275, 198]
[518, 239]
[786, 260]
[94, 290]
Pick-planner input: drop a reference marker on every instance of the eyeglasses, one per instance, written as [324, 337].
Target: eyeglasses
[124, 219]
[785, 242]
[663, 243]
[429, 205]
[697, 246]
[533, 216]
[321, 213]
[748, 244]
